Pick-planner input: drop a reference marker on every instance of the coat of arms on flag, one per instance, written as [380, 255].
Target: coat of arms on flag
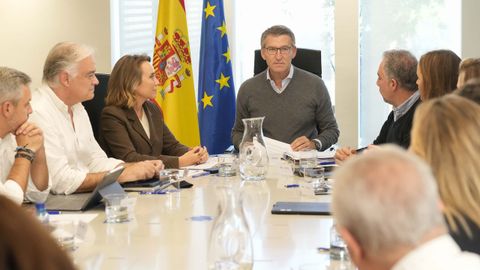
[172, 61]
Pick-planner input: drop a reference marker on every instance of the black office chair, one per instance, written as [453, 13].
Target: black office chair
[95, 106]
[306, 59]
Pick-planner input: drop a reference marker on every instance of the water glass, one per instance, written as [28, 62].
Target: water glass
[172, 175]
[227, 165]
[64, 232]
[338, 248]
[116, 208]
[316, 177]
[308, 159]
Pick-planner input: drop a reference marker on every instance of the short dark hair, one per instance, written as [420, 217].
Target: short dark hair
[277, 30]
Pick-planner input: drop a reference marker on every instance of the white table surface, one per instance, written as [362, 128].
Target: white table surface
[163, 236]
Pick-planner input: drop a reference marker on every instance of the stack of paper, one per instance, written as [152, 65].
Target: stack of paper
[280, 149]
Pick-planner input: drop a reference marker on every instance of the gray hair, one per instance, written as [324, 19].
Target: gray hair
[64, 56]
[11, 82]
[277, 30]
[401, 65]
[386, 198]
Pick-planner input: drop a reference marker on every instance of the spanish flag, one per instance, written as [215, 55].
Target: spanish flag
[173, 68]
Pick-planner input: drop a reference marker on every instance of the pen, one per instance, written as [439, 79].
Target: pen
[292, 186]
[153, 192]
[201, 174]
[54, 212]
[327, 163]
[322, 249]
[359, 150]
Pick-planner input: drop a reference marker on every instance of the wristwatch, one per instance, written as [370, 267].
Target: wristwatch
[318, 144]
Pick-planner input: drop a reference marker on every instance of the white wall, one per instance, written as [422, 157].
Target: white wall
[470, 32]
[346, 71]
[30, 28]
[346, 58]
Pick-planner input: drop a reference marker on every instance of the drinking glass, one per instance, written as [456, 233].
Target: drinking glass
[338, 248]
[227, 165]
[116, 208]
[308, 159]
[315, 176]
[64, 232]
[173, 176]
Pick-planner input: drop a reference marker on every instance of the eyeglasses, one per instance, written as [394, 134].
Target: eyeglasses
[282, 50]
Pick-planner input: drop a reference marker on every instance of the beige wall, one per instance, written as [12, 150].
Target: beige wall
[29, 28]
[470, 33]
[346, 71]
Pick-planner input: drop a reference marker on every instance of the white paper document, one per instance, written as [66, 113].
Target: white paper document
[211, 162]
[277, 148]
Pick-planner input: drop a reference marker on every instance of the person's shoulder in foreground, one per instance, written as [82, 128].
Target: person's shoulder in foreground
[387, 209]
[26, 244]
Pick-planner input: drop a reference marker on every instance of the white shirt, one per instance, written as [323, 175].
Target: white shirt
[285, 81]
[10, 188]
[71, 153]
[438, 254]
[145, 124]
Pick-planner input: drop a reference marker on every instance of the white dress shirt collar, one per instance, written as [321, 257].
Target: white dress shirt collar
[285, 81]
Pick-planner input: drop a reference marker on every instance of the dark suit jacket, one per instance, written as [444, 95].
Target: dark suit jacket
[122, 136]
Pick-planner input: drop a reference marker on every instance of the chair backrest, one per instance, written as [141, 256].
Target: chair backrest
[306, 59]
[95, 106]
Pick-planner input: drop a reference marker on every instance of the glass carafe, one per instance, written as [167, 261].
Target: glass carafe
[253, 156]
[230, 244]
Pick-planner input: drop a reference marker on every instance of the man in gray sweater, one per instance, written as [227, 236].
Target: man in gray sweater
[295, 103]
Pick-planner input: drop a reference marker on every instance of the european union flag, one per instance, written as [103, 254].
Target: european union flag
[216, 92]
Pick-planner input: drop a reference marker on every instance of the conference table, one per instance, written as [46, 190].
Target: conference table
[171, 231]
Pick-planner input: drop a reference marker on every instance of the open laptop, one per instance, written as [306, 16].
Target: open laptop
[301, 208]
[84, 201]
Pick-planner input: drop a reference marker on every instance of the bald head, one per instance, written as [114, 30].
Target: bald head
[386, 198]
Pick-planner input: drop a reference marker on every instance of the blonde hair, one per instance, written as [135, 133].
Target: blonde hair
[125, 77]
[445, 134]
[470, 67]
[470, 90]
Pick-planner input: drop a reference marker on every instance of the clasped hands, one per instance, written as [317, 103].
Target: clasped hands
[29, 136]
[195, 155]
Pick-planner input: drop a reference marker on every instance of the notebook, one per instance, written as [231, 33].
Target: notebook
[301, 208]
[152, 182]
[85, 201]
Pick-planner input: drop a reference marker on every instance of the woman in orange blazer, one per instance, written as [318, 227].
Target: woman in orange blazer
[132, 127]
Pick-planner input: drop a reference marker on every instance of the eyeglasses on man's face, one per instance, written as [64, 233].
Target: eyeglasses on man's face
[282, 50]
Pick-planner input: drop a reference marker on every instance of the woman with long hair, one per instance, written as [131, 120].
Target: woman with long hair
[445, 134]
[437, 73]
[132, 127]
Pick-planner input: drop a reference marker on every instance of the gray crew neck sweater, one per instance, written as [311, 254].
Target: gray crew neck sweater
[302, 109]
